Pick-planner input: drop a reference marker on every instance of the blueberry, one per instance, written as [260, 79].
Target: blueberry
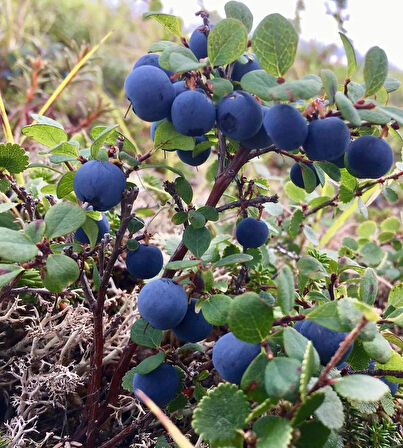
[150, 91]
[325, 341]
[252, 232]
[231, 357]
[239, 115]
[296, 174]
[241, 69]
[285, 126]
[194, 327]
[327, 139]
[103, 227]
[198, 42]
[101, 184]
[369, 157]
[160, 385]
[163, 303]
[193, 113]
[339, 161]
[186, 156]
[260, 140]
[144, 262]
[151, 59]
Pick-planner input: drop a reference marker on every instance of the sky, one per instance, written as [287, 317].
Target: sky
[371, 22]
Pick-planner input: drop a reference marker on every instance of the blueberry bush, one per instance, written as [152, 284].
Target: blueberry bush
[270, 315]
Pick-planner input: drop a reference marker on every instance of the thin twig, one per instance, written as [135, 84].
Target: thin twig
[244, 203]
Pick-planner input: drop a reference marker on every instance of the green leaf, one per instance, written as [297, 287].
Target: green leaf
[13, 158]
[361, 388]
[350, 53]
[65, 149]
[91, 229]
[177, 403]
[295, 346]
[179, 59]
[366, 229]
[179, 218]
[369, 286]
[355, 91]
[226, 42]
[311, 267]
[142, 333]
[330, 412]
[252, 382]
[8, 272]
[332, 170]
[295, 223]
[160, 46]
[127, 380]
[15, 246]
[394, 112]
[171, 23]
[372, 254]
[395, 297]
[275, 44]
[46, 134]
[35, 230]
[378, 349]
[168, 138]
[112, 137]
[65, 185]
[326, 315]
[308, 407]
[250, 318]
[182, 264]
[282, 378]
[101, 140]
[285, 290]
[237, 10]
[304, 88]
[391, 224]
[233, 259]
[349, 315]
[210, 213]
[63, 218]
[313, 435]
[376, 116]
[196, 240]
[347, 109]
[197, 220]
[309, 367]
[221, 87]
[395, 363]
[308, 177]
[4, 184]
[192, 347]
[391, 84]
[273, 432]
[61, 271]
[258, 82]
[294, 193]
[221, 413]
[149, 364]
[184, 189]
[215, 309]
[329, 81]
[375, 70]
[6, 206]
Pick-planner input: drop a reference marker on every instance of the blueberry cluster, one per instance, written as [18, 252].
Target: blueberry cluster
[164, 304]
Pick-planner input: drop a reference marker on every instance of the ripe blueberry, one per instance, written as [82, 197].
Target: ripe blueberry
[369, 157]
[101, 184]
[193, 113]
[194, 327]
[187, 157]
[241, 69]
[252, 232]
[144, 262]
[103, 227]
[285, 126]
[231, 357]
[150, 91]
[239, 115]
[296, 174]
[163, 303]
[160, 385]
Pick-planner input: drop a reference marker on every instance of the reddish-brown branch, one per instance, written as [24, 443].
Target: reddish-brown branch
[97, 355]
[220, 185]
[287, 319]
